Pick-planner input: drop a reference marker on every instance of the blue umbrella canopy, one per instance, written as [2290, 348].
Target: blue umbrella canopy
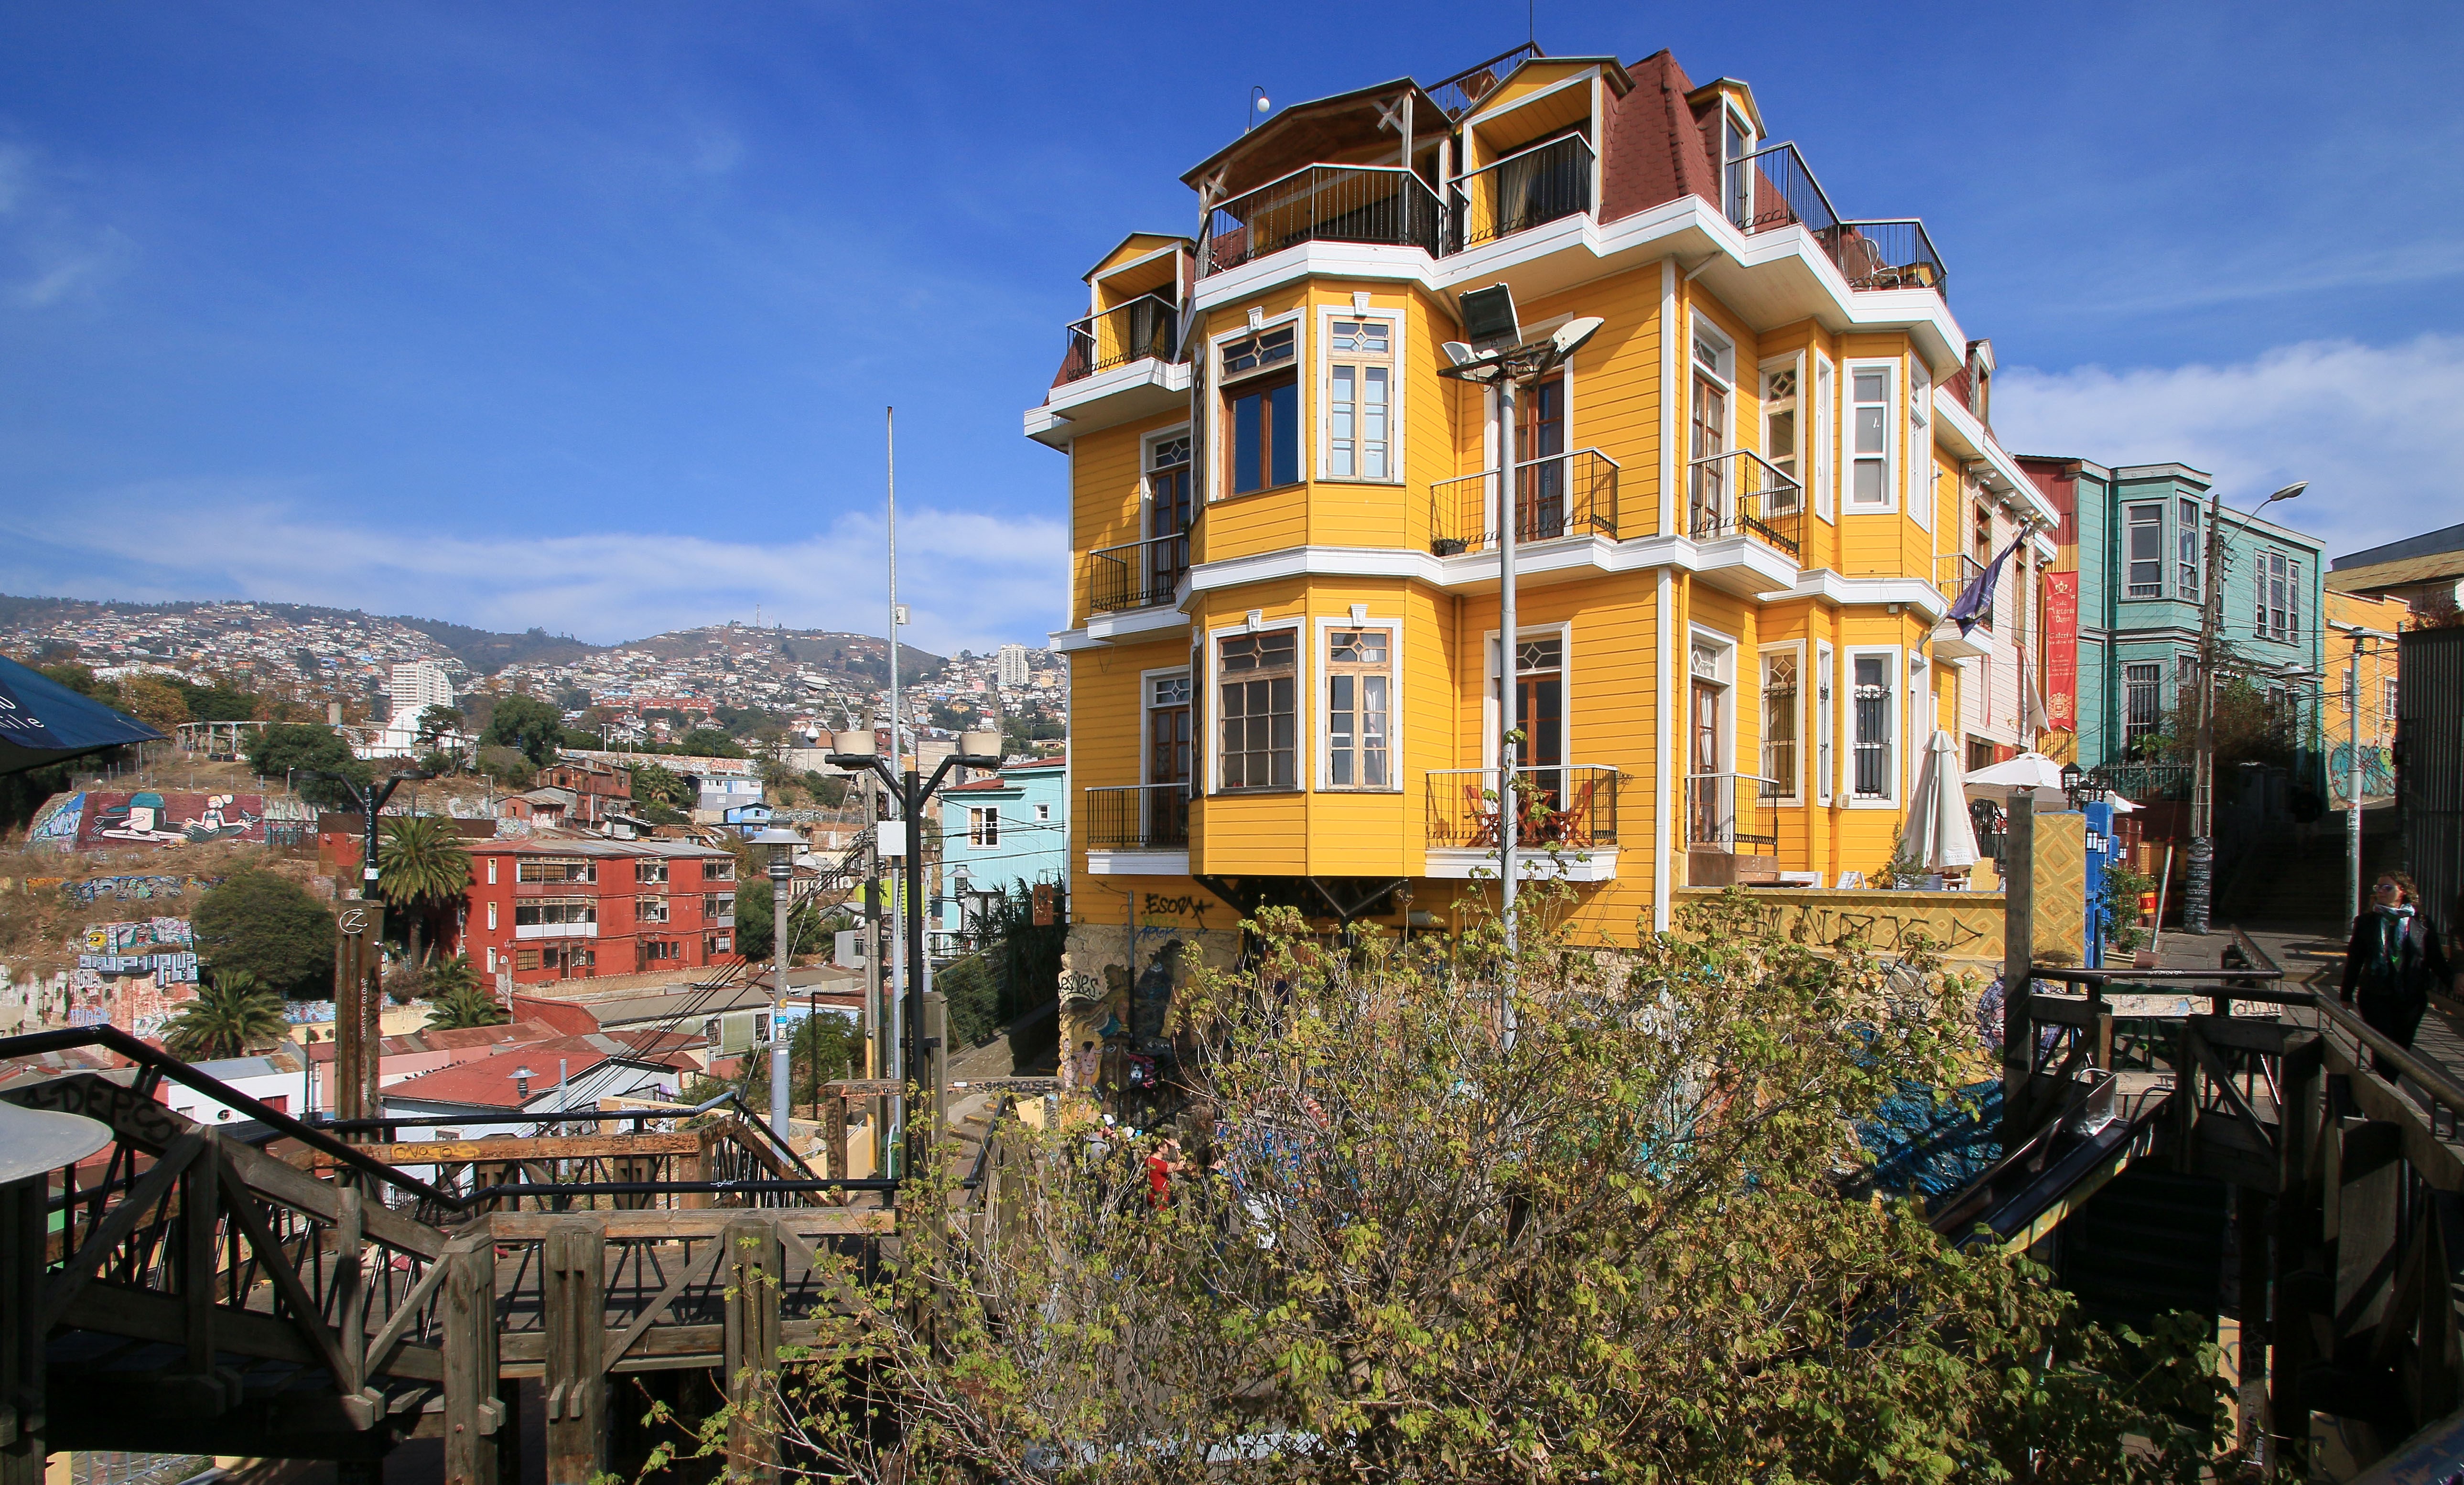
[42, 721]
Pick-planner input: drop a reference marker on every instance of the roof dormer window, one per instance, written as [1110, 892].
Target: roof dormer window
[1737, 174]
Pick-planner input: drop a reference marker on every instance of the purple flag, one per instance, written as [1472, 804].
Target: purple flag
[1979, 595]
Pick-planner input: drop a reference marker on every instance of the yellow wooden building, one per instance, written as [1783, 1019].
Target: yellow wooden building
[1742, 510]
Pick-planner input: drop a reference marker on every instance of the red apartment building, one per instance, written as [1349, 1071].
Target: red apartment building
[570, 908]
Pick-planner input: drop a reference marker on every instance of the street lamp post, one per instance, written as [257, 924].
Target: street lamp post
[854, 753]
[1497, 356]
[2197, 898]
[781, 845]
[355, 1024]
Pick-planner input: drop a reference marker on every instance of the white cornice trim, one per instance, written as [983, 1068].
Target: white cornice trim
[1135, 623]
[1476, 568]
[1826, 586]
[1101, 862]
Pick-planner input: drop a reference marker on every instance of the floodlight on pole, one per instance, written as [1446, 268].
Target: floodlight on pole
[1497, 356]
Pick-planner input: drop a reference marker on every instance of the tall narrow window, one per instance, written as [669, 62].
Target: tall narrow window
[2147, 551]
[1780, 436]
[1709, 511]
[2185, 551]
[2142, 705]
[1737, 186]
[1921, 489]
[1875, 737]
[1359, 678]
[1258, 674]
[1169, 512]
[1780, 725]
[1171, 724]
[1869, 421]
[1263, 407]
[1825, 724]
[1540, 711]
[1541, 484]
[2277, 620]
[1360, 380]
[984, 825]
[1825, 418]
[2292, 600]
[2185, 685]
[2387, 711]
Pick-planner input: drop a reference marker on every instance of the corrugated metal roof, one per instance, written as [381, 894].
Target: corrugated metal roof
[2401, 573]
[580, 846]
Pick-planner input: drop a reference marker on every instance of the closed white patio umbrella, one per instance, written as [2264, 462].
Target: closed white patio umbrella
[1939, 832]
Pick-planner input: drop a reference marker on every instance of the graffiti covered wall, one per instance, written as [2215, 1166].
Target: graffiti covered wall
[97, 820]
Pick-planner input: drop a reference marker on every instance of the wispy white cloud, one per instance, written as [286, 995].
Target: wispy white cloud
[972, 580]
[49, 249]
[2377, 430]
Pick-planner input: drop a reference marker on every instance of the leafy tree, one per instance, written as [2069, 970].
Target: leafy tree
[155, 702]
[232, 1012]
[510, 767]
[81, 679]
[654, 784]
[436, 723]
[708, 742]
[293, 747]
[823, 1046]
[421, 868]
[217, 703]
[268, 928]
[528, 724]
[1616, 1246]
[755, 920]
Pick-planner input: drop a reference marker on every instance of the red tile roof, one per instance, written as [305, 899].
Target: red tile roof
[488, 1083]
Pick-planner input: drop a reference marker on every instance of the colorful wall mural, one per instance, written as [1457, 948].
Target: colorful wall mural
[97, 820]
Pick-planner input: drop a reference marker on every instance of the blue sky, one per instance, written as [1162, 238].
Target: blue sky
[584, 316]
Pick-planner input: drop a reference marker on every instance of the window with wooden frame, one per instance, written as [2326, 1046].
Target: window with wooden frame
[1262, 410]
[1825, 722]
[721, 869]
[984, 825]
[1256, 692]
[650, 909]
[2143, 704]
[651, 870]
[526, 958]
[1871, 485]
[1873, 695]
[553, 868]
[2146, 551]
[1359, 696]
[2185, 551]
[718, 908]
[1924, 476]
[1360, 400]
[1780, 429]
[2279, 607]
[1780, 714]
[1826, 391]
[2387, 702]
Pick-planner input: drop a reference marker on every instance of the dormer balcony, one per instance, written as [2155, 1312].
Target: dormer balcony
[1381, 205]
[1525, 190]
[1747, 517]
[1773, 188]
[1145, 328]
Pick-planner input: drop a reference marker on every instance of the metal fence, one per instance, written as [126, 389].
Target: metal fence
[1373, 204]
[1567, 806]
[1523, 190]
[1147, 326]
[1568, 494]
[1741, 494]
[1137, 816]
[1136, 573]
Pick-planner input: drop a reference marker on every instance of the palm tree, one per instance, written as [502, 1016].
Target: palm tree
[421, 866]
[231, 1012]
[464, 1005]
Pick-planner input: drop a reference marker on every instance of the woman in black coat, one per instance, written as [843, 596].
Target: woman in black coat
[2393, 962]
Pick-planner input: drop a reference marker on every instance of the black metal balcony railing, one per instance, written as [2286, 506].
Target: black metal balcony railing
[1565, 806]
[1721, 815]
[1457, 95]
[1773, 188]
[1568, 494]
[1136, 573]
[1137, 816]
[1886, 255]
[1373, 204]
[1523, 190]
[1741, 494]
[1147, 327]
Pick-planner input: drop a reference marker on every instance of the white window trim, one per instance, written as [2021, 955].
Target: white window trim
[1919, 406]
[1826, 758]
[1328, 315]
[1893, 425]
[1324, 771]
[1491, 510]
[1795, 798]
[1146, 472]
[1489, 708]
[1893, 665]
[1803, 453]
[1212, 712]
[1727, 743]
[1212, 477]
[1824, 455]
[1146, 728]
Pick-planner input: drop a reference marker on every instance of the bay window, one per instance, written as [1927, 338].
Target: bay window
[2146, 551]
[1257, 679]
[1360, 380]
[1262, 406]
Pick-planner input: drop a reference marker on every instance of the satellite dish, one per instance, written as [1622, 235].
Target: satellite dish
[1460, 354]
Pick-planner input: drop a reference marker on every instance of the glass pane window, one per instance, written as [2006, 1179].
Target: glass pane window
[1258, 351]
[1871, 693]
[1255, 700]
[2186, 550]
[1869, 479]
[1359, 683]
[1780, 725]
[1779, 435]
[983, 827]
[2147, 551]
[1359, 399]
[1266, 435]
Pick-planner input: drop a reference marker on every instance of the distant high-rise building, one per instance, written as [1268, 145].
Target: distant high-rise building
[1013, 665]
[416, 685]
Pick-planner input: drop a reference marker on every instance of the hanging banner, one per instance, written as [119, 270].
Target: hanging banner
[2061, 650]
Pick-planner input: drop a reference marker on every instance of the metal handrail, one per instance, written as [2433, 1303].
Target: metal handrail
[1560, 196]
[1584, 502]
[1799, 197]
[1115, 582]
[1496, 68]
[1867, 259]
[1585, 808]
[1737, 492]
[1086, 353]
[1139, 805]
[1401, 219]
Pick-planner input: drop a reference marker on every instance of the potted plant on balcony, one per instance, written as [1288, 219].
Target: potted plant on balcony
[1448, 546]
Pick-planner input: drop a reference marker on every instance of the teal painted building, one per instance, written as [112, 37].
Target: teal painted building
[2137, 536]
[1001, 833]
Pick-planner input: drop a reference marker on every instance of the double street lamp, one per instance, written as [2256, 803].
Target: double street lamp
[854, 753]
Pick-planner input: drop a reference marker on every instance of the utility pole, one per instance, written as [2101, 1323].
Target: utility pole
[781, 844]
[896, 1127]
[2362, 636]
[359, 1004]
[2198, 897]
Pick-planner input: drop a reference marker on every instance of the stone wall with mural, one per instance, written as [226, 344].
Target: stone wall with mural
[1118, 980]
[97, 820]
